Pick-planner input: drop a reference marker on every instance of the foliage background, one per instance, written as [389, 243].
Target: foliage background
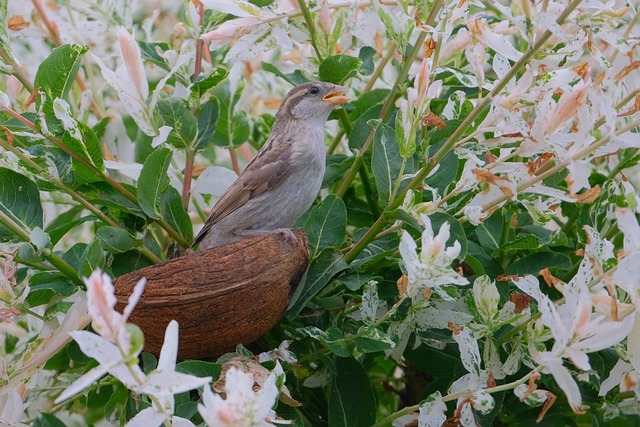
[474, 248]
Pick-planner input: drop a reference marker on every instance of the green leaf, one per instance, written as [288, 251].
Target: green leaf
[174, 113]
[332, 338]
[47, 420]
[320, 272]
[89, 149]
[352, 402]
[232, 128]
[489, 233]
[149, 53]
[92, 258]
[43, 286]
[386, 163]
[373, 340]
[360, 129]
[376, 254]
[337, 165]
[116, 240]
[173, 211]
[199, 368]
[532, 264]
[205, 83]
[117, 401]
[366, 55]
[366, 101]
[356, 280]
[207, 121]
[338, 68]
[326, 225]
[57, 72]
[20, 201]
[127, 262]
[296, 78]
[153, 182]
[520, 243]
[446, 173]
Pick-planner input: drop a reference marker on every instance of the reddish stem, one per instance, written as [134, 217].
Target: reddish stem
[234, 160]
[199, 44]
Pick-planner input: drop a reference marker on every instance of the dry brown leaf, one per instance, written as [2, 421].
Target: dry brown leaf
[589, 196]
[433, 120]
[521, 301]
[429, 47]
[403, 283]
[536, 165]
[17, 23]
[627, 70]
[273, 103]
[549, 278]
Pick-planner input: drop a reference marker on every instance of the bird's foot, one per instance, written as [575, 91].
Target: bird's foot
[285, 233]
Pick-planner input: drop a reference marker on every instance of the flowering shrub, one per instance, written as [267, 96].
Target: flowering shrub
[474, 250]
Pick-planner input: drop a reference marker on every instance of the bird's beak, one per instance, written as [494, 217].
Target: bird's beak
[336, 96]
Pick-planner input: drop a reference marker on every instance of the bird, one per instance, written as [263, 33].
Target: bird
[281, 182]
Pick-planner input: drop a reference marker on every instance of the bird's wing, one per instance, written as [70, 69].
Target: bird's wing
[268, 169]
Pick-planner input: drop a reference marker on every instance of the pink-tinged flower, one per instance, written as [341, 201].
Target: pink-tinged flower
[567, 107]
[6, 314]
[132, 59]
[232, 29]
[577, 331]
[102, 301]
[4, 100]
[242, 406]
[324, 17]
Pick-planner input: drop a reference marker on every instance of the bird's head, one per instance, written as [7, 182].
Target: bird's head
[313, 100]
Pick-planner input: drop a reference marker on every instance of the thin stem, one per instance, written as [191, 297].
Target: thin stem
[49, 255]
[188, 177]
[475, 113]
[580, 154]
[112, 182]
[51, 28]
[234, 160]
[199, 42]
[362, 243]
[388, 105]
[335, 142]
[75, 195]
[311, 27]
[627, 33]
[481, 106]
[455, 396]
[17, 70]
[377, 72]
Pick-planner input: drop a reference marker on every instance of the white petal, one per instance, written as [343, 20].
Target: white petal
[432, 411]
[161, 137]
[169, 351]
[148, 417]
[469, 353]
[81, 383]
[616, 376]
[164, 383]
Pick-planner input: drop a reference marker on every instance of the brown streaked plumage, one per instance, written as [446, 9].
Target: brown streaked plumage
[284, 178]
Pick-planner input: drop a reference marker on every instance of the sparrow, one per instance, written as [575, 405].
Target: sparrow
[283, 179]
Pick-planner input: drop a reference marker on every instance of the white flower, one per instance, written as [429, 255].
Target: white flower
[432, 266]
[115, 348]
[4, 100]
[242, 407]
[577, 331]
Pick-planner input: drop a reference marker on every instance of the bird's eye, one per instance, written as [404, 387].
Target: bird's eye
[314, 90]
